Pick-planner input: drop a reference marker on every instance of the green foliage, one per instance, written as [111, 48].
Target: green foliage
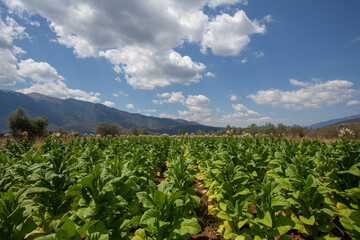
[20, 122]
[105, 188]
[108, 129]
[183, 132]
[15, 218]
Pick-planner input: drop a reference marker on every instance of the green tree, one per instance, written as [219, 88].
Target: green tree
[105, 129]
[19, 121]
[201, 132]
[183, 132]
[134, 131]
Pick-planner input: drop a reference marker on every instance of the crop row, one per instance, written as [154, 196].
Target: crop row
[110, 188]
[263, 188]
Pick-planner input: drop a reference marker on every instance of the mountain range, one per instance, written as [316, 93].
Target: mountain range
[333, 121]
[71, 114]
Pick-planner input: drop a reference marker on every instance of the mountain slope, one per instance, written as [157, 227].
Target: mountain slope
[333, 121]
[71, 114]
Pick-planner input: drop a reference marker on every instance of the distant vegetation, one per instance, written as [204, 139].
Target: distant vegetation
[327, 132]
[19, 123]
[113, 129]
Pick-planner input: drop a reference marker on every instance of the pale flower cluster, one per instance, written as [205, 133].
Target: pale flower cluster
[346, 134]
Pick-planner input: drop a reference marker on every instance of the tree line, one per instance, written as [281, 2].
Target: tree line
[19, 122]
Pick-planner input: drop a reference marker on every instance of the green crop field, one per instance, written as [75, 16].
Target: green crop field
[169, 187]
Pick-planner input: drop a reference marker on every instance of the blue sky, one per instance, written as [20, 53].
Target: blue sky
[217, 62]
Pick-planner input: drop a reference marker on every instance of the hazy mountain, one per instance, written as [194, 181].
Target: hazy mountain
[333, 121]
[71, 114]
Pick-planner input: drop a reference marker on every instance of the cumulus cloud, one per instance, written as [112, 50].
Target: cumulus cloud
[10, 30]
[109, 104]
[296, 82]
[40, 72]
[146, 68]
[197, 106]
[46, 80]
[353, 102]
[130, 106]
[139, 37]
[240, 111]
[216, 3]
[310, 95]
[233, 97]
[229, 35]
[173, 97]
[210, 74]
[244, 60]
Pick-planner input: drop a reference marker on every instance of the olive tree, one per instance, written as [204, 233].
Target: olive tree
[105, 129]
[19, 121]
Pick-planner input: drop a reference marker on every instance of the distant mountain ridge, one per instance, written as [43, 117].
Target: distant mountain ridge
[333, 121]
[81, 116]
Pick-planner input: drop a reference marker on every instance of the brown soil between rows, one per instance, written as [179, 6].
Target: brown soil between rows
[208, 222]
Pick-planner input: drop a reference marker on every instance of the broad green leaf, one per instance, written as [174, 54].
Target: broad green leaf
[149, 217]
[266, 220]
[98, 236]
[88, 182]
[146, 200]
[27, 227]
[69, 228]
[224, 215]
[223, 206]
[279, 201]
[242, 223]
[299, 225]
[190, 226]
[309, 221]
[283, 224]
[159, 199]
[86, 227]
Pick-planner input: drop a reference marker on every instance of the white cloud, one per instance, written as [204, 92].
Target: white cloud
[60, 90]
[244, 60]
[9, 30]
[149, 110]
[310, 95]
[40, 72]
[139, 37]
[296, 82]
[197, 106]
[229, 35]
[216, 3]
[239, 107]
[146, 68]
[353, 102]
[34, 23]
[47, 81]
[233, 97]
[173, 97]
[267, 19]
[118, 79]
[259, 54]
[210, 74]
[130, 106]
[109, 104]
[240, 111]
